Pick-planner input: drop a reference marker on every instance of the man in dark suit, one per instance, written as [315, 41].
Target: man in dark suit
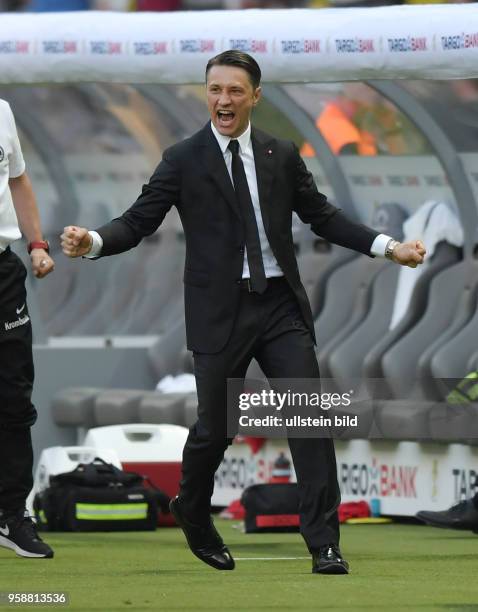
[236, 188]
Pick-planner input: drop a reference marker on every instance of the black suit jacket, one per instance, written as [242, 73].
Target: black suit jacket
[193, 177]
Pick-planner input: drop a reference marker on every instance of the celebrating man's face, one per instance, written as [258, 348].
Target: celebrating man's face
[230, 99]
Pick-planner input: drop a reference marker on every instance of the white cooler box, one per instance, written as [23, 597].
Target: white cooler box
[58, 459]
[154, 451]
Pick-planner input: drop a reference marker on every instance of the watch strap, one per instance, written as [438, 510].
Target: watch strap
[391, 244]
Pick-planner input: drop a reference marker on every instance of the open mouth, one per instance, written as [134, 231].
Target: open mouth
[225, 117]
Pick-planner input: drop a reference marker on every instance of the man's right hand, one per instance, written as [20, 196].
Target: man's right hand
[76, 241]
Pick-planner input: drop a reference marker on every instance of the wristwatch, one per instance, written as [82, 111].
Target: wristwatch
[38, 244]
[391, 244]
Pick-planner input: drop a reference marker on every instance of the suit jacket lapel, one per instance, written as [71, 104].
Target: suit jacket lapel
[264, 158]
[213, 159]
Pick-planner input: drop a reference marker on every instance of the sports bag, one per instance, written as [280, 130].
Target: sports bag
[271, 508]
[97, 497]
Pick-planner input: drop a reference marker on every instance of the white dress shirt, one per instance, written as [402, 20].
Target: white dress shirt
[11, 166]
[271, 267]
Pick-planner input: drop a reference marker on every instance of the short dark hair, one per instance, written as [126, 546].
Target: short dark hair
[232, 57]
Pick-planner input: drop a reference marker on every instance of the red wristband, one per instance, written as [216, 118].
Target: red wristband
[38, 244]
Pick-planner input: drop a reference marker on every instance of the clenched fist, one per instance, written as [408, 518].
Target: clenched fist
[75, 241]
[42, 263]
[409, 253]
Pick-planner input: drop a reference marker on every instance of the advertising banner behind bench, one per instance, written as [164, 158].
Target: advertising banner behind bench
[420, 42]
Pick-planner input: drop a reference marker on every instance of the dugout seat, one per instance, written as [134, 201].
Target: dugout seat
[86, 291]
[115, 304]
[159, 300]
[162, 408]
[347, 301]
[117, 406]
[450, 305]
[407, 366]
[315, 267]
[456, 422]
[346, 362]
[74, 407]
[345, 359]
[445, 255]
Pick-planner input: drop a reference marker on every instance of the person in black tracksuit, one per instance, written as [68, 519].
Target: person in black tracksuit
[18, 209]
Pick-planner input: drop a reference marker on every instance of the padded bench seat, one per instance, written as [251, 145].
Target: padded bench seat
[162, 408]
[74, 407]
[116, 406]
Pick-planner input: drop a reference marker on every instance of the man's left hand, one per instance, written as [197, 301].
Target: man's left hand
[409, 254]
[42, 263]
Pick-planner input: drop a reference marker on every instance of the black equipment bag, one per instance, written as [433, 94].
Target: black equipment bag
[97, 497]
[271, 508]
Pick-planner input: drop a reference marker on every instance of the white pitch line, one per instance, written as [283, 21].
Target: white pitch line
[269, 558]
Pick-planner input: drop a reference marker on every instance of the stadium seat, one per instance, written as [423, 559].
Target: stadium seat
[345, 360]
[472, 362]
[347, 289]
[114, 305]
[74, 407]
[117, 406]
[84, 295]
[403, 419]
[162, 408]
[444, 256]
[315, 268]
[346, 305]
[451, 359]
[454, 423]
[158, 299]
[408, 364]
[450, 305]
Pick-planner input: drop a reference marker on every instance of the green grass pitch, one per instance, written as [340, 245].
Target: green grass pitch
[393, 568]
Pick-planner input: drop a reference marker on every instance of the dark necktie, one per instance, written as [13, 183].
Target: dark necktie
[253, 245]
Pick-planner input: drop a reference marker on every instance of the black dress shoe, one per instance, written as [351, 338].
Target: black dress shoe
[328, 560]
[463, 515]
[204, 541]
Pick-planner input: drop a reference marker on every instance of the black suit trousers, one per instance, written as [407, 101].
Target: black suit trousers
[270, 328]
[17, 413]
